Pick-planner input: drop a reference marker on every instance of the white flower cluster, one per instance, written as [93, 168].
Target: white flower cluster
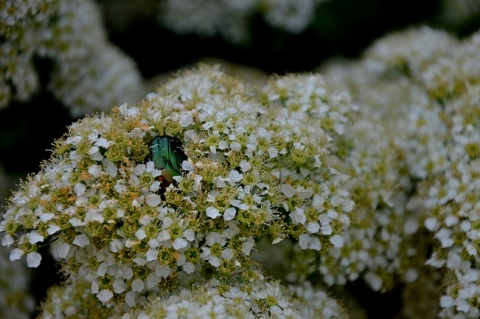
[230, 18]
[73, 301]
[89, 74]
[15, 300]
[423, 85]
[318, 303]
[254, 170]
[256, 298]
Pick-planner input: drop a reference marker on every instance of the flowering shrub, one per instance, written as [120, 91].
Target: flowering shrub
[247, 200]
[428, 81]
[89, 73]
[254, 170]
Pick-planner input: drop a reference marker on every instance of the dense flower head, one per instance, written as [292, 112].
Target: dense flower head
[428, 81]
[251, 170]
[376, 245]
[257, 297]
[89, 74]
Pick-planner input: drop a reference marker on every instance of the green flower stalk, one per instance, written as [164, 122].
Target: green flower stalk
[253, 170]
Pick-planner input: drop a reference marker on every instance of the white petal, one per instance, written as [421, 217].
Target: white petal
[79, 189]
[7, 240]
[81, 240]
[245, 165]
[235, 146]
[337, 241]
[138, 285]
[140, 234]
[187, 166]
[186, 119]
[431, 223]
[105, 295]
[151, 254]
[446, 302]
[288, 190]
[15, 254]
[34, 259]
[212, 212]
[208, 125]
[313, 227]
[179, 243]
[61, 250]
[229, 213]
[34, 237]
[95, 154]
[277, 240]
[304, 240]
[118, 286]
[101, 142]
[189, 235]
[95, 170]
[235, 176]
[153, 200]
[315, 243]
[112, 169]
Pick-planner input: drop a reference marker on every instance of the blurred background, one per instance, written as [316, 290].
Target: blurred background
[62, 60]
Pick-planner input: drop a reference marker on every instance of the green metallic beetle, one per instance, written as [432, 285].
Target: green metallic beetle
[167, 155]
